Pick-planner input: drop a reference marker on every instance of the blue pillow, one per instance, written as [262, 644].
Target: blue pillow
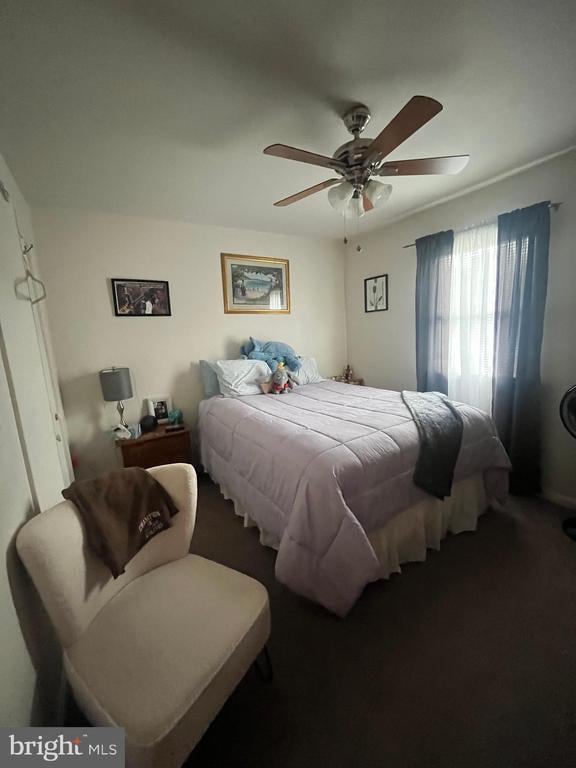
[209, 379]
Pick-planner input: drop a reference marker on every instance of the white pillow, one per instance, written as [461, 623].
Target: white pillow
[308, 371]
[241, 377]
[209, 378]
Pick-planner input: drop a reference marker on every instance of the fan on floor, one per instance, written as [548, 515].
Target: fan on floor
[359, 160]
[568, 416]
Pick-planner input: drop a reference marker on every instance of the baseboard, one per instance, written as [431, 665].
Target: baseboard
[559, 498]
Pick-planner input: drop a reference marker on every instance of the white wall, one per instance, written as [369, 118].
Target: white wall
[80, 252]
[382, 346]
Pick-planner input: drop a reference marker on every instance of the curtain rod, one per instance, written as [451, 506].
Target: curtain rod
[554, 207]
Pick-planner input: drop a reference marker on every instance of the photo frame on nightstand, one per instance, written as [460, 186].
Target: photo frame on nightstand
[160, 407]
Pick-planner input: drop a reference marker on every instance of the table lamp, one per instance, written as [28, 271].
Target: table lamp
[116, 385]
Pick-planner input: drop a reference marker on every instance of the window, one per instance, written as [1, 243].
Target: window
[472, 315]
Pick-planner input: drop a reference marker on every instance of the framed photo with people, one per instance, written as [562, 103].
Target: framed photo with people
[140, 298]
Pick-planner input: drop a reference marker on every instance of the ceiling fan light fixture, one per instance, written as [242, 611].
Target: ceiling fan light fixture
[377, 192]
[356, 206]
[339, 196]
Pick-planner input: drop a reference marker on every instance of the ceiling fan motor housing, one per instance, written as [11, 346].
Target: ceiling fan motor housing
[357, 118]
[353, 153]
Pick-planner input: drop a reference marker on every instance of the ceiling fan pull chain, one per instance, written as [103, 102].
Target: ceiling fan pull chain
[358, 246]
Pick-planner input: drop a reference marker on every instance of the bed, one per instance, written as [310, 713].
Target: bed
[325, 472]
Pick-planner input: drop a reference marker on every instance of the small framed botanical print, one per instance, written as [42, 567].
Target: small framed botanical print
[140, 297]
[255, 284]
[160, 407]
[376, 293]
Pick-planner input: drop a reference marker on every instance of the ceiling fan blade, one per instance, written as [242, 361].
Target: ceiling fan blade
[302, 156]
[368, 206]
[416, 113]
[426, 165]
[306, 192]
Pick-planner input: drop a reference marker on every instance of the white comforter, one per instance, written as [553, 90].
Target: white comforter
[320, 467]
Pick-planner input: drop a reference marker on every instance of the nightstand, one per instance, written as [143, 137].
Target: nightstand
[155, 448]
[342, 380]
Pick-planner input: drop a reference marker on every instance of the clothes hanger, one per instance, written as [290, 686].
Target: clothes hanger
[26, 248]
[28, 276]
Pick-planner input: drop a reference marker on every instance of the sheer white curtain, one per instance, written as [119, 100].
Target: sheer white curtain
[471, 316]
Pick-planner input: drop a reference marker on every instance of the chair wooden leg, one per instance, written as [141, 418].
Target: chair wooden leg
[264, 665]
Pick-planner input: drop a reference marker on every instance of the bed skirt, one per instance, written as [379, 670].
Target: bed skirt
[407, 537]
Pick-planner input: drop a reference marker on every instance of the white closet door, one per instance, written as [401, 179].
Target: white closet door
[17, 676]
[39, 433]
[51, 379]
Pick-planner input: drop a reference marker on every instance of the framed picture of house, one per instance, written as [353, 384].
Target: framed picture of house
[376, 293]
[140, 298]
[255, 284]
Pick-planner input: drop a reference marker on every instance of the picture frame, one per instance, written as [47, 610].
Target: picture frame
[376, 293]
[254, 285]
[159, 407]
[140, 298]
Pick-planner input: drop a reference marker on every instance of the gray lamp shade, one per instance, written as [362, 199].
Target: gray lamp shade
[116, 384]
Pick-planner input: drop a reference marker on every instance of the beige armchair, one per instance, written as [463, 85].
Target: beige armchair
[158, 650]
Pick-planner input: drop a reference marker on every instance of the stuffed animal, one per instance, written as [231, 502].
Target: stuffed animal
[282, 380]
[272, 352]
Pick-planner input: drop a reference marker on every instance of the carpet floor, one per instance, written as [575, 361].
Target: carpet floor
[466, 660]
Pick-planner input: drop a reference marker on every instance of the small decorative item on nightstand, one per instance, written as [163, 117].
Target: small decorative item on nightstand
[175, 416]
[347, 377]
[148, 424]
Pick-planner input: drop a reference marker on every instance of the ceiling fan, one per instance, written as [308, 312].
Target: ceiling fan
[358, 160]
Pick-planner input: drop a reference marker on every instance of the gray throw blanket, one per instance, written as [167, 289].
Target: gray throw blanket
[440, 429]
[121, 512]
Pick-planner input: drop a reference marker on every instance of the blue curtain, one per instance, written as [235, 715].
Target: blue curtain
[433, 275]
[523, 239]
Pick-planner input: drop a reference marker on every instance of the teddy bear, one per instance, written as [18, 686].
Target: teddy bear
[282, 380]
[272, 353]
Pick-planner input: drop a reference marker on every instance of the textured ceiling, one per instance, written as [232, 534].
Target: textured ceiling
[163, 108]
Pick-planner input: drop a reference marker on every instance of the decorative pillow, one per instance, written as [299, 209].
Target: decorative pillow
[209, 378]
[308, 371]
[241, 377]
